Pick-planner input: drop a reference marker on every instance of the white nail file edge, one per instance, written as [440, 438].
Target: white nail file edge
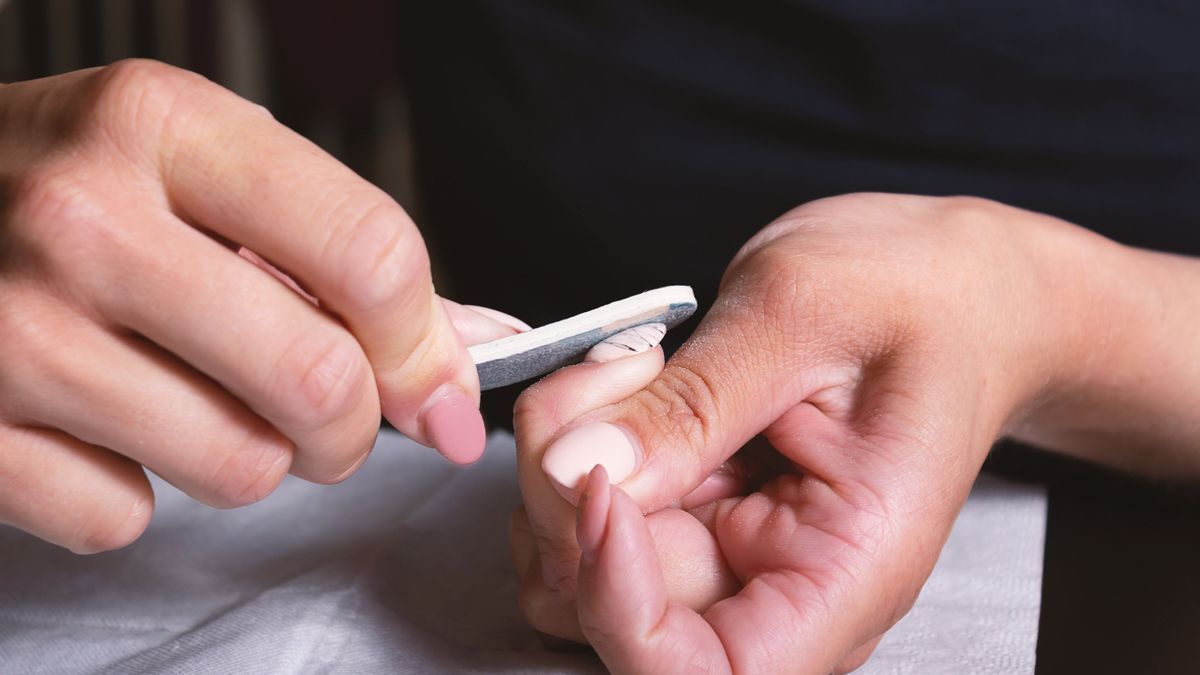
[547, 348]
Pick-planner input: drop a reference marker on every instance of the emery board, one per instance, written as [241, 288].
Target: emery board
[547, 348]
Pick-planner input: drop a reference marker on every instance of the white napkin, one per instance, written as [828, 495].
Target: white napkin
[404, 568]
[978, 613]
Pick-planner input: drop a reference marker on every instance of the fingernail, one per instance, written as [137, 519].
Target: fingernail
[592, 514]
[570, 459]
[454, 426]
[628, 342]
[506, 319]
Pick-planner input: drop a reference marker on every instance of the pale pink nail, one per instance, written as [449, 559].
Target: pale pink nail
[455, 428]
[577, 452]
[628, 342]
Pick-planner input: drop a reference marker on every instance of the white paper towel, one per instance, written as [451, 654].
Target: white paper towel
[404, 568]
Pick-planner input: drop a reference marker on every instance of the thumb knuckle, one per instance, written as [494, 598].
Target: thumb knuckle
[680, 405]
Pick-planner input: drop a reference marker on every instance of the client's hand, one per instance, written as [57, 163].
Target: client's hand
[881, 344]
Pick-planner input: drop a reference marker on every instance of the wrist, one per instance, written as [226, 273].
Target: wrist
[1119, 372]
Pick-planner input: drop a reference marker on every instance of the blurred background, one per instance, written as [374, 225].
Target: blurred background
[325, 69]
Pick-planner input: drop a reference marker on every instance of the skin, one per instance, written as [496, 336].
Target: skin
[145, 217]
[880, 344]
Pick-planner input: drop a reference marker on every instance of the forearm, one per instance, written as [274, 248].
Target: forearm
[1126, 392]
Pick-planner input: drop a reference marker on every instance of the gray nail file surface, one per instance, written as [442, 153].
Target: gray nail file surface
[539, 351]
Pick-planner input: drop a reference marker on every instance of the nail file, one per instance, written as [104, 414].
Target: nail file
[539, 351]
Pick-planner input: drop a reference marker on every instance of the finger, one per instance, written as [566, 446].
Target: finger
[612, 371]
[623, 606]
[551, 611]
[823, 576]
[540, 413]
[693, 566]
[235, 171]
[69, 493]
[277, 273]
[763, 347]
[859, 657]
[476, 325]
[721, 484]
[521, 542]
[127, 395]
[695, 572]
[717, 392]
[782, 621]
[551, 614]
[285, 359]
[755, 463]
[509, 320]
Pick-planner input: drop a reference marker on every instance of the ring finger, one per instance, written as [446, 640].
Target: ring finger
[127, 395]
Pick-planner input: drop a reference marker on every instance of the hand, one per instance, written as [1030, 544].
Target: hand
[881, 344]
[134, 334]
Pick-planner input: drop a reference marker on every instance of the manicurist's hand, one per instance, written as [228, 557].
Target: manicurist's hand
[880, 344]
[140, 324]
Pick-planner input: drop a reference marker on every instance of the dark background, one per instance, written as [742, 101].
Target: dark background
[559, 156]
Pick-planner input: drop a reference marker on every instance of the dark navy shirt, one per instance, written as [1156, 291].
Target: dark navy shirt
[572, 153]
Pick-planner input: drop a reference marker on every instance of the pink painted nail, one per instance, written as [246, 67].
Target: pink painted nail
[570, 459]
[593, 513]
[455, 428]
[628, 342]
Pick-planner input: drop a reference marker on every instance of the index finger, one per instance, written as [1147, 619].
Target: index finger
[230, 167]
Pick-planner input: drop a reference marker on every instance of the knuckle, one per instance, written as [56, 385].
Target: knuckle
[321, 385]
[531, 600]
[53, 199]
[518, 525]
[382, 258]
[33, 363]
[559, 565]
[342, 464]
[109, 530]
[682, 403]
[62, 230]
[135, 97]
[965, 204]
[554, 617]
[262, 111]
[250, 473]
[541, 608]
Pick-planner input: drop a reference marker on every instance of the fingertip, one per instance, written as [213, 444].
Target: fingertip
[455, 428]
[592, 513]
[621, 590]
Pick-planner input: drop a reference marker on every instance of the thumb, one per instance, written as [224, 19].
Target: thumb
[726, 384]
